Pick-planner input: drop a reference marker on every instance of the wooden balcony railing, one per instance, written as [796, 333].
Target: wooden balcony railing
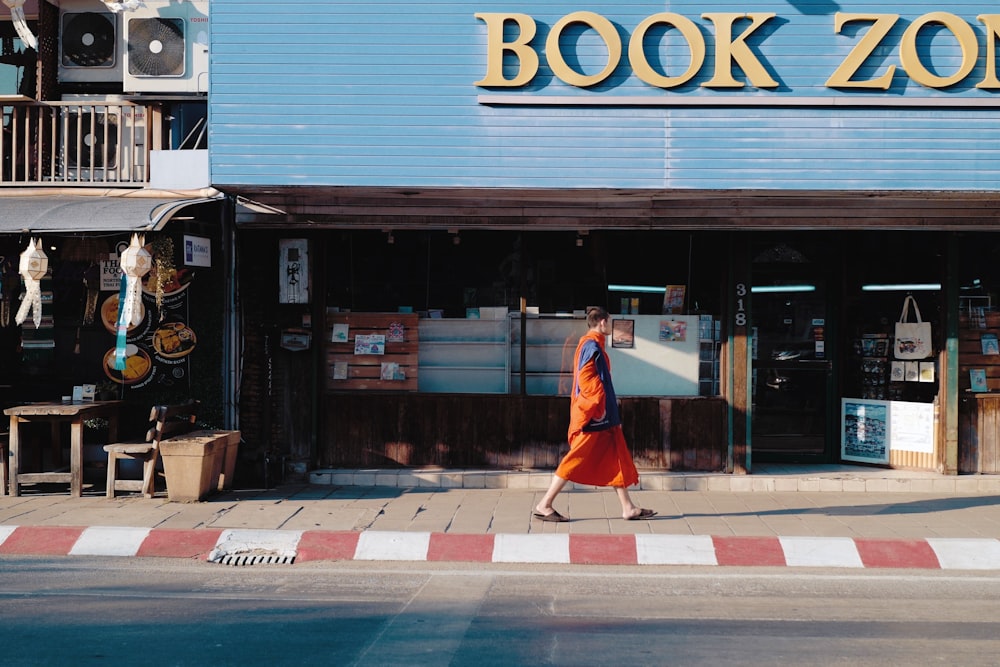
[75, 144]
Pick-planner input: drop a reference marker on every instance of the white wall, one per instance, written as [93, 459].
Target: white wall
[654, 367]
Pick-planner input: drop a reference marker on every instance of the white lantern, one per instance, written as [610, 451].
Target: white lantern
[21, 23]
[128, 5]
[33, 266]
[135, 262]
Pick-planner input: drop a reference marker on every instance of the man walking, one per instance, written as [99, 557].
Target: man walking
[598, 454]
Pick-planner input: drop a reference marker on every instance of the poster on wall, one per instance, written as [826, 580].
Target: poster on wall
[673, 299]
[158, 346]
[623, 333]
[673, 331]
[911, 426]
[864, 430]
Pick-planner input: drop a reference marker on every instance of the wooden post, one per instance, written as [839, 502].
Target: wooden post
[950, 365]
[738, 380]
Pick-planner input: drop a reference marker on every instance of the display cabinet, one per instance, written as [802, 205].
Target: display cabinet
[550, 343]
[464, 356]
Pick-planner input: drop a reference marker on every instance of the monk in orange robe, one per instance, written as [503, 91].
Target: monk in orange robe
[598, 454]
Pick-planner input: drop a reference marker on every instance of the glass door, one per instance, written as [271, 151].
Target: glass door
[792, 370]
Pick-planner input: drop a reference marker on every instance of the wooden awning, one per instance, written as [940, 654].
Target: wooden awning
[301, 207]
[128, 211]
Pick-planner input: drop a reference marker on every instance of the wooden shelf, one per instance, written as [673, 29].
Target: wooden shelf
[364, 371]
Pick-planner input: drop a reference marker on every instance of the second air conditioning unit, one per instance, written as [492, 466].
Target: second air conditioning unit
[166, 48]
[103, 140]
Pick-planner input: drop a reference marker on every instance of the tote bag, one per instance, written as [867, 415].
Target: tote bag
[913, 339]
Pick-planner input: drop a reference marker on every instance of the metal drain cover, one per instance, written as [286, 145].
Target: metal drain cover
[254, 559]
[256, 547]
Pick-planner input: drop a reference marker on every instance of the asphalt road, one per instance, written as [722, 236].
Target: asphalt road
[84, 611]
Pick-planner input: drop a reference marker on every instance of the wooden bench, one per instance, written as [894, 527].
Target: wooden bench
[166, 421]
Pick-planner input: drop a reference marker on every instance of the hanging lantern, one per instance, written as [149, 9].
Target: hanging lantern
[128, 5]
[21, 23]
[33, 266]
[135, 262]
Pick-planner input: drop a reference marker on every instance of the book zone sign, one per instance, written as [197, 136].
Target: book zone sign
[512, 62]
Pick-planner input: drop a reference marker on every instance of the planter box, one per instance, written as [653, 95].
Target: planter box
[225, 457]
[189, 462]
[229, 461]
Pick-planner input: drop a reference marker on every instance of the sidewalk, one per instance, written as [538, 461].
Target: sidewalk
[821, 516]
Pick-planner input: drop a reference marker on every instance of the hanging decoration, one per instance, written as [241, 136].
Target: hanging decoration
[33, 266]
[164, 269]
[127, 5]
[135, 262]
[21, 23]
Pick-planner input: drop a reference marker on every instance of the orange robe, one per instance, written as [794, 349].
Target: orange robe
[598, 454]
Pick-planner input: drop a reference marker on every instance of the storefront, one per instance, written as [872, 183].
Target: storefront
[175, 347]
[822, 309]
[798, 170]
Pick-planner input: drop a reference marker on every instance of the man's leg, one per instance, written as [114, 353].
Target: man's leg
[628, 507]
[544, 506]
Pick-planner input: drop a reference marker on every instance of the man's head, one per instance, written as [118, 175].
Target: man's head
[595, 316]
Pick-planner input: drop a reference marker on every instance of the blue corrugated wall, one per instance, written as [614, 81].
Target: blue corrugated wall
[376, 93]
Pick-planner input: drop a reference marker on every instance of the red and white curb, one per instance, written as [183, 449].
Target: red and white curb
[227, 546]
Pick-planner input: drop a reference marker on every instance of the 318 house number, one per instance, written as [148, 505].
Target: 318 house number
[740, 318]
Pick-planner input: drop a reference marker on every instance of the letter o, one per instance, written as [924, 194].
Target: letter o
[910, 59]
[607, 32]
[637, 55]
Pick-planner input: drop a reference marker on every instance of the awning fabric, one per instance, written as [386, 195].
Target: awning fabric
[90, 213]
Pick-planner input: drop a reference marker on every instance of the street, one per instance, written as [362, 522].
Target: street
[167, 612]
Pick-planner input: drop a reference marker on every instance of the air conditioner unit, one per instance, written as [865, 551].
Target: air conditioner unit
[102, 140]
[166, 48]
[89, 43]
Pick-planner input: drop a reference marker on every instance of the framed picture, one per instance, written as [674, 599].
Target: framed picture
[977, 380]
[622, 333]
[989, 344]
[927, 371]
[673, 331]
[864, 430]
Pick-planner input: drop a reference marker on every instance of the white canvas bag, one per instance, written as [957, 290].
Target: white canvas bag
[913, 339]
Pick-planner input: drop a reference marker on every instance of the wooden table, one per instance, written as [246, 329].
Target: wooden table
[57, 413]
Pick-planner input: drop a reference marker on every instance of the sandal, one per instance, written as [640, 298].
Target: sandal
[554, 517]
[642, 515]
